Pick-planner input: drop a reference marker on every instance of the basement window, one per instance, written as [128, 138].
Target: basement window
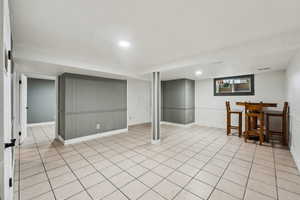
[234, 86]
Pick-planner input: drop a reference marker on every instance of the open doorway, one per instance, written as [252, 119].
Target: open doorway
[38, 103]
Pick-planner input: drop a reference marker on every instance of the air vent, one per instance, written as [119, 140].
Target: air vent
[263, 68]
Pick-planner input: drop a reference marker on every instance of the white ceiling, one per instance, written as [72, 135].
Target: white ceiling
[176, 37]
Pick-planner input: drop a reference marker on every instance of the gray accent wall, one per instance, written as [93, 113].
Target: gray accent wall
[178, 101]
[85, 101]
[40, 100]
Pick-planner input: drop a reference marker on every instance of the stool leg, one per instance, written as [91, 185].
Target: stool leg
[240, 124]
[246, 127]
[228, 123]
[283, 137]
[268, 129]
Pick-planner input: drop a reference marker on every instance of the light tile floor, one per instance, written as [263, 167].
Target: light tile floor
[190, 164]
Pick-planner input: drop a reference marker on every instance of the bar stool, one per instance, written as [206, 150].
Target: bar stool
[254, 114]
[284, 124]
[240, 123]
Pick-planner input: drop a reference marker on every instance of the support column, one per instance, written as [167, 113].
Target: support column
[156, 108]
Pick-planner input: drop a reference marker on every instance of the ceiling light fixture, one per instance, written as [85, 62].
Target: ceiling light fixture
[124, 44]
[198, 73]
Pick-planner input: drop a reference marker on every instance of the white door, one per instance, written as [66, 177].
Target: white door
[23, 107]
[6, 148]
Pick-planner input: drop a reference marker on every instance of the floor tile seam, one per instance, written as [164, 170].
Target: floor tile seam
[248, 177]
[215, 187]
[107, 179]
[51, 187]
[201, 168]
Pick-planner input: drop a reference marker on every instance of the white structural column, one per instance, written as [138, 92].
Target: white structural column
[156, 108]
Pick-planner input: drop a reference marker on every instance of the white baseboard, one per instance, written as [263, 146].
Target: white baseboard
[40, 124]
[296, 158]
[90, 137]
[177, 124]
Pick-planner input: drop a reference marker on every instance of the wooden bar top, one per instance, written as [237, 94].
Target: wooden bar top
[257, 103]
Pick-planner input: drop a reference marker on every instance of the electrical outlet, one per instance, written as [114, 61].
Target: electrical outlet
[98, 126]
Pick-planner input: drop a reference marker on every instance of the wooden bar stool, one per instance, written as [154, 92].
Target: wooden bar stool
[254, 114]
[284, 124]
[240, 123]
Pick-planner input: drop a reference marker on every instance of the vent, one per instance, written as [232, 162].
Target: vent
[263, 68]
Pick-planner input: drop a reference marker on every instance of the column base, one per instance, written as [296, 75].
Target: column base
[155, 141]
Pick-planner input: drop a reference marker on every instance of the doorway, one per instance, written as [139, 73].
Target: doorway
[38, 102]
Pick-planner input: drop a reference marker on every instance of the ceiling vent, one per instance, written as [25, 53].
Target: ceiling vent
[263, 68]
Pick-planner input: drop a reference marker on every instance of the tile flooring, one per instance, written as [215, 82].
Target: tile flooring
[192, 163]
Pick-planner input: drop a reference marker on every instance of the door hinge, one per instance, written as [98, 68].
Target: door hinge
[9, 54]
[20, 82]
[10, 182]
[11, 144]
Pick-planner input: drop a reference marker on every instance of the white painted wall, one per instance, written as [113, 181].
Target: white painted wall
[138, 101]
[210, 109]
[293, 95]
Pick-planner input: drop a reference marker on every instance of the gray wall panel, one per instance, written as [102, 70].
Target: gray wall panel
[93, 100]
[178, 101]
[40, 100]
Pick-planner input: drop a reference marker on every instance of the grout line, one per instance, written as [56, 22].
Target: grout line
[193, 178]
[77, 178]
[45, 170]
[253, 157]
[275, 173]
[215, 187]
[168, 148]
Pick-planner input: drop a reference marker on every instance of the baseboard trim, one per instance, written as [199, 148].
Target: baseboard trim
[40, 124]
[297, 161]
[177, 124]
[90, 137]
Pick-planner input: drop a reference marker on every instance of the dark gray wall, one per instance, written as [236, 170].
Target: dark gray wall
[178, 101]
[40, 100]
[86, 101]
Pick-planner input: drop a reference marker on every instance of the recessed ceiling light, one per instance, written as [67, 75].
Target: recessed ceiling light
[198, 73]
[124, 44]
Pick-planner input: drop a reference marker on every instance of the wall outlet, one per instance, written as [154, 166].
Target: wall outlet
[98, 126]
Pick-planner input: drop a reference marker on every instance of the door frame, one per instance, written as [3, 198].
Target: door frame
[6, 124]
[23, 108]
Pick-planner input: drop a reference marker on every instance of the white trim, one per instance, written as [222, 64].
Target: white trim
[177, 124]
[40, 76]
[90, 137]
[155, 141]
[40, 124]
[56, 106]
[296, 158]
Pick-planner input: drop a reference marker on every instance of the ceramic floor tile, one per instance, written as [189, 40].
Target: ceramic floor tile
[101, 190]
[208, 178]
[219, 195]
[185, 195]
[34, 191]
[121, 179]
[68, 190]
[150, 179]
[151, 195]
[231, 188]
[134, 189]
[179, 178]
[167, 189]
[187, 165]
[62, 180]
[251, 195]
[92, 179]
[199, 188]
